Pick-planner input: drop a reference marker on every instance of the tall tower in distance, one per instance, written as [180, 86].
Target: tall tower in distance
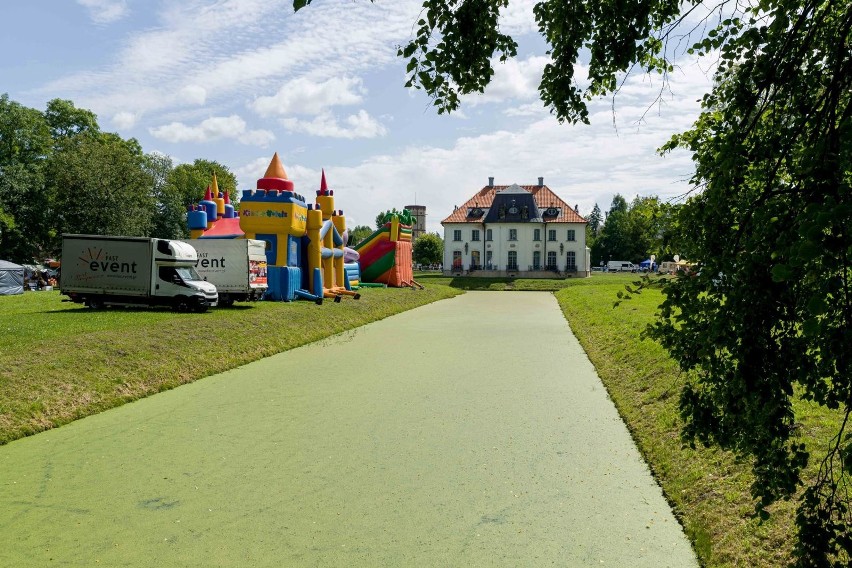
[419, 214]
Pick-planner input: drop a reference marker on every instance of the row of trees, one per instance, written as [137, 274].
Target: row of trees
[60, 173]
[633, 231]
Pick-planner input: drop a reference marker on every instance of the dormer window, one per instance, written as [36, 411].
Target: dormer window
[475, 212]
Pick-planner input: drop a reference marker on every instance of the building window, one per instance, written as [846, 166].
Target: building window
[457, 260]
[551, 260]
[537, 260]
[513, 260]
[474, 260]
[571, 234]
[488, 259]
[572, 261]
[551, 234]
[487, 234]
[474, 235]
[513, 234]
[457, 235]
[536, 234]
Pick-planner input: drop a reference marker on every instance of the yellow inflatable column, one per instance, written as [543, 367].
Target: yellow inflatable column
[394, 229]
[314, 260]
[339, 272]
[325, 201]
[328, 263]
[219, 201]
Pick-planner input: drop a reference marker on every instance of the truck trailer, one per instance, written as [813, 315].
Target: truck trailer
[101, 271]
[237, 267]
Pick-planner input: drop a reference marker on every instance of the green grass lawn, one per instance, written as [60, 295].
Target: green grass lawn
[60, 361]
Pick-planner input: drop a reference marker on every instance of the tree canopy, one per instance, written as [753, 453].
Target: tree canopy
[767, 313]
[635, 231]
[358, 234]
[60, 173]
[428, 249]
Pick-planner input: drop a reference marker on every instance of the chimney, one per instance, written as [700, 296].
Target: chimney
[491, 181]
[540, 181]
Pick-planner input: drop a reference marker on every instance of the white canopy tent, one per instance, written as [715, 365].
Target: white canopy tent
[11, 278]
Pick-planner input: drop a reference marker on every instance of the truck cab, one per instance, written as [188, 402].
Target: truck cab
[175, 276]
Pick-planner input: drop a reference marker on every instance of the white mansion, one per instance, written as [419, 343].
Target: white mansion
[516, 231]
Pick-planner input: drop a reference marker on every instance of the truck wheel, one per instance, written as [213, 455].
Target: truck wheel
[226, 302]
[199, 306]
[181, 305]
[95, 303]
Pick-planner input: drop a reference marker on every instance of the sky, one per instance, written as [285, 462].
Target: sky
[238, 80]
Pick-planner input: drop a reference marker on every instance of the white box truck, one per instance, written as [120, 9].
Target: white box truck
[104, 271]
[237, 267]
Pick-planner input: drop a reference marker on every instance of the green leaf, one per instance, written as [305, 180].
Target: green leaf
[781, 272]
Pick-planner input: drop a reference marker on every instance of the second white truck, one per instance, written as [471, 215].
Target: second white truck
[237, 267]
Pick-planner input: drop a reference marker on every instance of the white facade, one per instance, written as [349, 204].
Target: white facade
[515, 248]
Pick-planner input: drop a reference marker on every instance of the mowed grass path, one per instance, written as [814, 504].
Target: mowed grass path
[60, 361]
[709, 489]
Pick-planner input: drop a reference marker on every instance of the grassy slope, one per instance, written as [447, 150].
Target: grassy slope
[60, 361]
[708, 488]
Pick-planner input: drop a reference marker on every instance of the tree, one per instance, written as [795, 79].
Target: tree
[429, 249]
[101, 186]
[25, 144]
[769, 310]
[614, 241]
[169, 220]
[770, 233]
[595, 220]
[358, 234]
[67, 120]
[190, 180]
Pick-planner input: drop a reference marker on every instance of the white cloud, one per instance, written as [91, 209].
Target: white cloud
[583, 164]
[194, 94]
[518, 18]
[516, 79]
[360, 125]
[212, 129]
[105, 11]
[240, 48]
[124, 120]
[529, 109]
[304, 96]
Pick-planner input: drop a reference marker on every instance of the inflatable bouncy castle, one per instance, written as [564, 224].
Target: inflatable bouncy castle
[304, 242]
[386, 254]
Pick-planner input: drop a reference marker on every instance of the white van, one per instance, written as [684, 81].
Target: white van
[621, 266]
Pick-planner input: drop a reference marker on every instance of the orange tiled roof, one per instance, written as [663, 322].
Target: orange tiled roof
[543, 195]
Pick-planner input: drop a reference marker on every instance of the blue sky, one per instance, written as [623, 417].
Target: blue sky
[237, 80]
